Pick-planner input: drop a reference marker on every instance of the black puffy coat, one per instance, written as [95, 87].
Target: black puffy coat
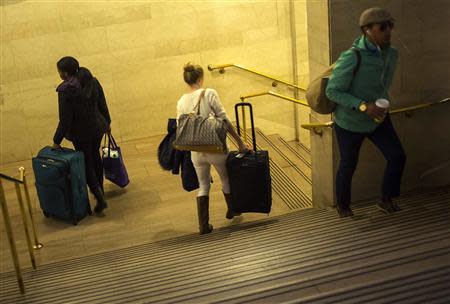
[83, 113]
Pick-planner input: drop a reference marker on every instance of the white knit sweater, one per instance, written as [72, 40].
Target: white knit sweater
[209, 105]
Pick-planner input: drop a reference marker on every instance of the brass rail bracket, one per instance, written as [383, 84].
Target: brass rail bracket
[317, 128]
[318, 131]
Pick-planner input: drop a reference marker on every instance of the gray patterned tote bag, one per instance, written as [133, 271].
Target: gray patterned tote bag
[197, 133]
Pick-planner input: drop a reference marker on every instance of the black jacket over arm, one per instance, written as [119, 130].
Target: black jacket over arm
[102, 107]
[83, 113]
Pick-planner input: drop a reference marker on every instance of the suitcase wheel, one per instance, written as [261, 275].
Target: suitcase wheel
[46, 214]
[75, 222]
[90, 211]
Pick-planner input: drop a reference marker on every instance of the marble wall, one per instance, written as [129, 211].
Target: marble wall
[423, 75]
[137, 49]
[322, 155]
[301, 29]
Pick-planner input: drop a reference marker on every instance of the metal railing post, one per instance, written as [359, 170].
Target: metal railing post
[36, 245]
[294, 64]
[12, 243]
[25, 225]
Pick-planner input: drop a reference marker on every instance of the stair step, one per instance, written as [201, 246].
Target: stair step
[297, 176]
[303, 151]
[288, 181]
[278, 201]
[306, 256]
[284, 156]
[294, 152]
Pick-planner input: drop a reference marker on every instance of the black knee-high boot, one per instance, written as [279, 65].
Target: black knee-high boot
[203, 214]
[101, 203]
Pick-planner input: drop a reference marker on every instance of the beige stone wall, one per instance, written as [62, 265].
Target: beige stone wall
[423, 75]
[301, 39]
[137, 49]
[322, 154]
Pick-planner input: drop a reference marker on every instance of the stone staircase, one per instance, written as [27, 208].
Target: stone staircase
[305, 256]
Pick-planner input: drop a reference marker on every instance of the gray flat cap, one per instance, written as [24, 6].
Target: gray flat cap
[374, 15]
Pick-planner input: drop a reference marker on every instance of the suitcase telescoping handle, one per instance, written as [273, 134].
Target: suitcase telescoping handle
[236, 112]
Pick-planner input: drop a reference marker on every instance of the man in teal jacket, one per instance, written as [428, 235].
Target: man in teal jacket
[354, 86]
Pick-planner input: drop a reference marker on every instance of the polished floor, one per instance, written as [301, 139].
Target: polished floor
[151, 208]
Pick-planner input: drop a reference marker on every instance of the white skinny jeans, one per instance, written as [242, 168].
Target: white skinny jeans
[202, 163]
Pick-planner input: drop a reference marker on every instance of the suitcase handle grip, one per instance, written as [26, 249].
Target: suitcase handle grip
[60, 149]
[249, 105]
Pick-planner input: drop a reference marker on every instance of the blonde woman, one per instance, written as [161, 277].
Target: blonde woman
[210, 105]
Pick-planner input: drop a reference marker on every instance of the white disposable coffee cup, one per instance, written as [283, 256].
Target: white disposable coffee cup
[382, 103]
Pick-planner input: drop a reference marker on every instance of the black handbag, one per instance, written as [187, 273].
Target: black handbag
[189, 177]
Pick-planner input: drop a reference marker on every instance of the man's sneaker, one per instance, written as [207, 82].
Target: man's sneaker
[386, 207]
[344, 212]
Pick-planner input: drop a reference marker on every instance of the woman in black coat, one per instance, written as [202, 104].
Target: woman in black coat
[83, 119]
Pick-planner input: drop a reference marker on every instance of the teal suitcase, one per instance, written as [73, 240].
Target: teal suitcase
[61, 184]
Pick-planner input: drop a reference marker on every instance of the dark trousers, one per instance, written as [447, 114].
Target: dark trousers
[386, 139]
[93, 161]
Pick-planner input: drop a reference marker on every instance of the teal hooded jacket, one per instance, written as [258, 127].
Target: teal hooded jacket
[371, 81]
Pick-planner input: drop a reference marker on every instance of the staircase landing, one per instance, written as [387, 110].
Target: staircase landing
[153, 207]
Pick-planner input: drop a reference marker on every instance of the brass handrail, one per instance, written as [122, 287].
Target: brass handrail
[406, 110]
[317, 127]
[222, 67]
[11, 179]
[243, 98]
[7, 220]
[297, 101]
[418, 107]
[434, 169]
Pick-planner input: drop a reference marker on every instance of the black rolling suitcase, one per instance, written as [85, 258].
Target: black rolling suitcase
[249, 175]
